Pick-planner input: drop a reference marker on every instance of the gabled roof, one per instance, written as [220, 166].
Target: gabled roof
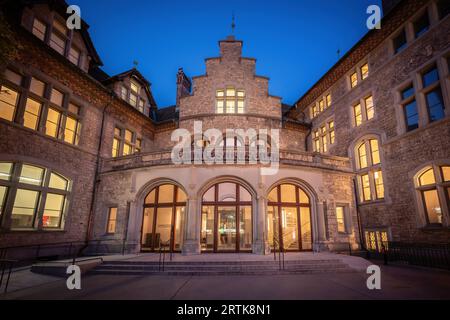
[129, 73]
[60, 6]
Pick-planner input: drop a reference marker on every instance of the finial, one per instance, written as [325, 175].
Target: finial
[338, 53]
[233, 24]
[135, 63]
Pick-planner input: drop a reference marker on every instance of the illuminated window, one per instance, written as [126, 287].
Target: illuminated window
[365, 184]
[125, 143]
[163, 218]
[72, 131]
[39, 29]
[321, 105]
[362, 155]
[32, 114]
[331, 132]
[376, 240]
[364, 71]
[357, 114]
[112, 219]
[354, 79]
[323, 137]
[328, 99]
[30, 186]
[289, 218]
[371, 185]
[316, 141]
[369, 107]
[230, 100]
[314, 111]
[340, 217]
[379, 186]
[8, 103]
[52, 125]
[433, 186]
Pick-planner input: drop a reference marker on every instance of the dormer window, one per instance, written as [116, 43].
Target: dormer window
[55, 34]
[230, 100]
[58, 37]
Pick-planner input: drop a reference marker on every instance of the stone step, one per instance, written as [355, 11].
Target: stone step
[99, 271]
[222, 267]
[225, 262]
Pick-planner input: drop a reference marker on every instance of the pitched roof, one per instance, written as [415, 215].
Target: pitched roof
[60, 6]
[129, 73]
[166, 114]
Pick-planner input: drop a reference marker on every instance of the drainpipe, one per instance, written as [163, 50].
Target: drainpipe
[358, 215]
[97, 170]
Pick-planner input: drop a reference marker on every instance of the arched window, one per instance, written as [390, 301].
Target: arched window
[368, 166]
[163, 219]
[433, 187]
[289, 218]
[32, 197]
[226, 218]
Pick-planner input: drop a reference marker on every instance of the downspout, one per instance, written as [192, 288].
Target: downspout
[96, 179]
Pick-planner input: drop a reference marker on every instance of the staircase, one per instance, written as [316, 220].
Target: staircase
[214, 268]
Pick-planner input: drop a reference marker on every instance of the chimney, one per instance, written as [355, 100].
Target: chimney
[183, 86]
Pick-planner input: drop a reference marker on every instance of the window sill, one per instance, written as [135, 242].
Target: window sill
[32, 230]
[379, 201]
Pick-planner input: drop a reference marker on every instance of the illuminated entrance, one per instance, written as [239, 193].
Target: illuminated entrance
[226, 224]
[289, 218]
[163, 219]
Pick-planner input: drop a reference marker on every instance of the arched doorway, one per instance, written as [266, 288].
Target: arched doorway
[226, 224]
[289, 218]
[163, 218]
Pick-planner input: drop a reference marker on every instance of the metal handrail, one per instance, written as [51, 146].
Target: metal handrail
[162, 255]
[276, 242]
[4, 264]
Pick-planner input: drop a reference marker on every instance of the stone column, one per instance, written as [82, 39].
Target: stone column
[320, 233]
[191, 243]
[261, 245]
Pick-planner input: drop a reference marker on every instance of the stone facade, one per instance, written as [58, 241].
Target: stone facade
[107, 171]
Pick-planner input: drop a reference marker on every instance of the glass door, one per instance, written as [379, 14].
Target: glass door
[226, 228]
[163, 227]
[289, 228]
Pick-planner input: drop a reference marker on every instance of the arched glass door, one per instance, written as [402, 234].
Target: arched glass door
[226, 219]
[289, 218]
[163, 218]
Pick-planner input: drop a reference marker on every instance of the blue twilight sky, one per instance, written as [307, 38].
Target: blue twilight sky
[294, 41]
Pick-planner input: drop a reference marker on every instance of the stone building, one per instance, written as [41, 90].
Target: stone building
[89, 159]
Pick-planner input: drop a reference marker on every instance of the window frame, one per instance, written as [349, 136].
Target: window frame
[362, 103]
[441, 186]
[122, 141]
[221, 95]
[44, 189]
[45, 100]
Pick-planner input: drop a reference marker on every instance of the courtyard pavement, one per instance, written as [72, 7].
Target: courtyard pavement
[398, 282]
